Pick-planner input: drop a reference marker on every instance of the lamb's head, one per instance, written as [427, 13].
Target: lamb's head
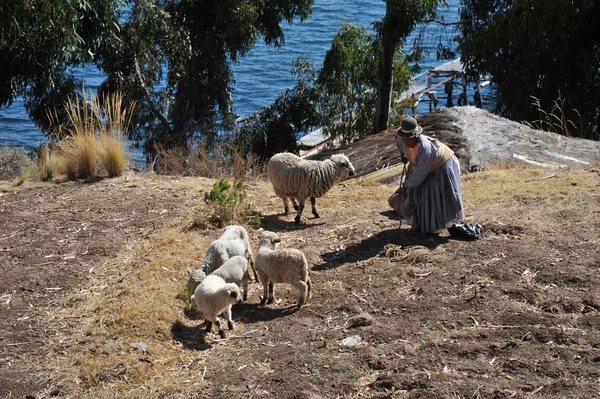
[195, 277]
[268, 239]
[193, 304]
[233, 293]
[343, 165]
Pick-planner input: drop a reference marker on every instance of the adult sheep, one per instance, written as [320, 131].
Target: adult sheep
[281, 265]
[234, 241]
[299, 179]
[212, 297]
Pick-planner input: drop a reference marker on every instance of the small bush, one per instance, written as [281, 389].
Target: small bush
[12, 162]
[226, 201]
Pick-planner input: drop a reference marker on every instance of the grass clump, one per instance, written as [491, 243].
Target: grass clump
[94, 140]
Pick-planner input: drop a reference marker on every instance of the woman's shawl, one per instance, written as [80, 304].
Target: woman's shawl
[431, 155]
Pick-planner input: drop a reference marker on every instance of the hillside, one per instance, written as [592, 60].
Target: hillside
[90, 269]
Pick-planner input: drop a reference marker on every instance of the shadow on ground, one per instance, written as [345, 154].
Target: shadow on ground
[373, 245]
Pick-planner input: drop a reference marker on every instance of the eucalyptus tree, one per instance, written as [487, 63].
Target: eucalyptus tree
[41, 41]
[543, 56]
[172, 58]
[347, 83]
[401, 18]
[275, 128]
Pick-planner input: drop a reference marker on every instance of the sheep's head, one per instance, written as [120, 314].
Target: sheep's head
[268, 239]
[195, 277]
[343, 164]
[233, 293]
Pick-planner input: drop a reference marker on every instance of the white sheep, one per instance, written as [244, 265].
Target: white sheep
[212, 297]
[234, 241]
[281, 265]
[299, 179]
[235, 270]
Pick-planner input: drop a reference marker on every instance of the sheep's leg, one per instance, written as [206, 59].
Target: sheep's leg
[264, 279]
[245, 286]
[220, 329]
[227, 314]
[286, 206]
[304, 289]
[300, 209]
[309, 285]
[295, 204]
[313, 203]
[208, 325]
[271, 293]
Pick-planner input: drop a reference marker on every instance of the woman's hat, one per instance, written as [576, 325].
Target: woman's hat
[409, 128]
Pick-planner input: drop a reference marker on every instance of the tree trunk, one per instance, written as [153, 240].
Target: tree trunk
[384, 91]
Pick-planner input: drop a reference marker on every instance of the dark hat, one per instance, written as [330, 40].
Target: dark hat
[409, 128]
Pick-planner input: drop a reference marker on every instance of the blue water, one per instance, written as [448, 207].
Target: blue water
[261, 77]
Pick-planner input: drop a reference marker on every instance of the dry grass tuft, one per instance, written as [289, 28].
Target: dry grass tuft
[96, 137]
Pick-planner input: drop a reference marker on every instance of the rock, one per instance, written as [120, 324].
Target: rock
[360, 320]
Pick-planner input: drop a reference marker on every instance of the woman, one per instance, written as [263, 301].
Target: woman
[433, 194]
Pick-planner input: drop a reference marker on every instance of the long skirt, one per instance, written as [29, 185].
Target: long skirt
[437, 202]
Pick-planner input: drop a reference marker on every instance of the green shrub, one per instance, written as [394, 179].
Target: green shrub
[226, 201]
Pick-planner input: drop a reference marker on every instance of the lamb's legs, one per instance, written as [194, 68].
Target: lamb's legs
[271, 293]
[227, 314]
[264, 279]
[313, 202]
[245, 287]
[286, 206]
[304, 289]
[300, 209]
[295, 204]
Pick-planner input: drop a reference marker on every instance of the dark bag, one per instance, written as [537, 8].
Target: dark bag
[465, 231]
[395, 200]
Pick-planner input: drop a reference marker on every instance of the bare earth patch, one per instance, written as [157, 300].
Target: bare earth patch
[90, 269]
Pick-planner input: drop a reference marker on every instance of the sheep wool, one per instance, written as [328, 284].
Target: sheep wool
[298, 179]
[281, 265]
[235, 270]
[212, 297]
[233, 241]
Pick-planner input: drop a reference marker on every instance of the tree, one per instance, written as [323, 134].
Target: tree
[348, 80]
[401, 17]
[41, 41]
[275, 128]
[172, 58]
[541, 49]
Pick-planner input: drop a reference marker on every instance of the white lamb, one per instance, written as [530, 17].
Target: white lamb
[212, 297]
[235, 270]
[281, 265]
[234, 241]
[299, 179]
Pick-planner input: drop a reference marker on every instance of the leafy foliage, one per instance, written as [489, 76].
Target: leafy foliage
[173, 59]
[276, 127]
[43, 40]
[535, 48]
[226, 200]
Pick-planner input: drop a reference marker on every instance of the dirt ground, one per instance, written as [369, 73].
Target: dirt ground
[515, 314]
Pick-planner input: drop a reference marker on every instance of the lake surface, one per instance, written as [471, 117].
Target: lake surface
[261, 77]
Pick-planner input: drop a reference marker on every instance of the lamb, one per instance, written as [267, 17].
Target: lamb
[234, 241]
[281, 265]
[212, 297]
[299, 179]
[235, 270]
